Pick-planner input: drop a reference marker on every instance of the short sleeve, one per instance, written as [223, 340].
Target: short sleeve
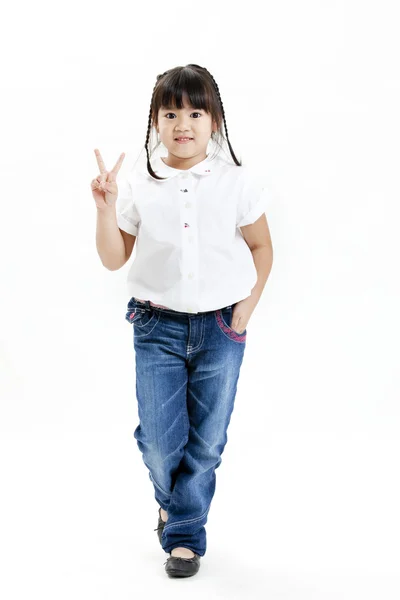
[128, 218]
[251, 200]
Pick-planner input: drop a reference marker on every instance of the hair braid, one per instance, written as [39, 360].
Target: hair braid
[149, 167]
[223, 116]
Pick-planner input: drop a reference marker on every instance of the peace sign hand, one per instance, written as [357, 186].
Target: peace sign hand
[104, 186]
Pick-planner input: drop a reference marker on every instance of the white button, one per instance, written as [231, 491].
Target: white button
[188, 204]
[185, 175]
[191, 275]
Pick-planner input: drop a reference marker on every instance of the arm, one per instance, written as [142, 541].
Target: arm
[110, 240]
[258, 238]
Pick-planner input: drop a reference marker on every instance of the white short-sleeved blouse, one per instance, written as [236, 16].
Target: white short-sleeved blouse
[190, 253]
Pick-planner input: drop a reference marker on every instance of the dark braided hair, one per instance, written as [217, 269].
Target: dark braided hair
[203, 92]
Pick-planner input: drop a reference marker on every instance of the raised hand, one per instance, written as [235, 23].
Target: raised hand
[104, 186]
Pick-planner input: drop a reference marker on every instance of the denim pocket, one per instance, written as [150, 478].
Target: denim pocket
[146, 317]
[143, 318]
[224, 320]
[134, 313]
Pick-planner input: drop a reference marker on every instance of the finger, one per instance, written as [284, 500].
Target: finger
[236, 322]
[97, 184]
[117, 166]
[102, 178]
[100, 161]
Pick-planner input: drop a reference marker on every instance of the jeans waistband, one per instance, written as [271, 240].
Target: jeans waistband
[148, 305]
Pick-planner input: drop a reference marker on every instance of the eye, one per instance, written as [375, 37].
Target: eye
[195, 113]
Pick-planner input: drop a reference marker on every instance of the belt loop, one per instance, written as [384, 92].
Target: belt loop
[147, 303]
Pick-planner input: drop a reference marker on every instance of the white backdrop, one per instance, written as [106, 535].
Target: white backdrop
[307, 495]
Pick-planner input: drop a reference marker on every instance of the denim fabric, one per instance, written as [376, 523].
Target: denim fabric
[187, 369]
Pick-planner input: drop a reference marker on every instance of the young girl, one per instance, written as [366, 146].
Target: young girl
[203, 256]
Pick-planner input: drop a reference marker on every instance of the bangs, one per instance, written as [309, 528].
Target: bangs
[187, 84]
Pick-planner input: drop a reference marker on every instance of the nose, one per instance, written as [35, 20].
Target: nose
[182, 127]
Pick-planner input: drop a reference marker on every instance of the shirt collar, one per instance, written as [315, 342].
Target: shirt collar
[204, 167]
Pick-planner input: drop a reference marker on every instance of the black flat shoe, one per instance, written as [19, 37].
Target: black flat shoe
[176, 566]
[160, 525]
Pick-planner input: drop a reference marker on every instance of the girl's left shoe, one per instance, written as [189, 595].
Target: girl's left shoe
[160, 525]
[177, 566]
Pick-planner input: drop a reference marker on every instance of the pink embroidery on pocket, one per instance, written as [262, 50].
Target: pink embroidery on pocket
[132, 315]
[238, 337]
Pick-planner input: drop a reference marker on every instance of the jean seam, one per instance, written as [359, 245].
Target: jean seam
[192, 349]
[187, 520]
[157, 485]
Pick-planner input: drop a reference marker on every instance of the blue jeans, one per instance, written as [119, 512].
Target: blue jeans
[187, 369]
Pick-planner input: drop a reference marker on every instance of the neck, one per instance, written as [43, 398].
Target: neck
[177, 162]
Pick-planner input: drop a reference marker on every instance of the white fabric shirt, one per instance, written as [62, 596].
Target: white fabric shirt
[190, 254]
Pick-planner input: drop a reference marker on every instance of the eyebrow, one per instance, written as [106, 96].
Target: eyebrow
[173, 108]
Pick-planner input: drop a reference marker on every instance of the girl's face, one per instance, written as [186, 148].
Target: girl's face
[189, 122]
